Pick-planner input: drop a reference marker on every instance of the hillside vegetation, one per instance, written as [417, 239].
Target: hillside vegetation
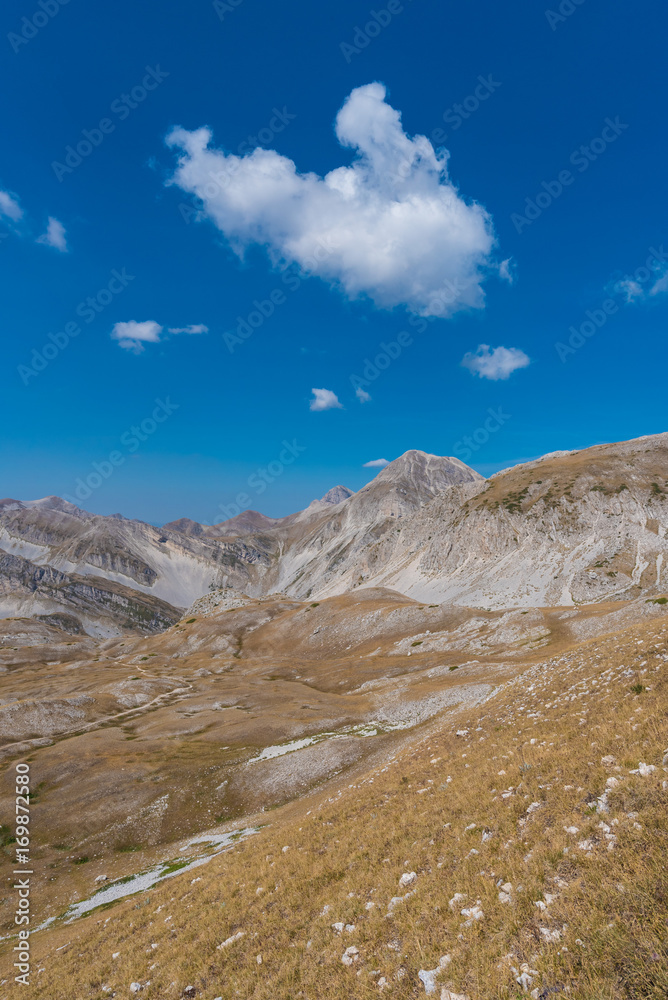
[516, 848]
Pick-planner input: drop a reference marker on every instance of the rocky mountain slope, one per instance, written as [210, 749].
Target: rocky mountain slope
[509, 842]
[568, 528]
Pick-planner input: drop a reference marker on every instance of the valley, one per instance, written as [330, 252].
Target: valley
[255, 735]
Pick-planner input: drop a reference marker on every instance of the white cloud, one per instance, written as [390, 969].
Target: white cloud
[54, 235]
[629, 289]
[497, 363]
[9, 206]
[193, 328]
[646, 282]
[660, 285]
[324, 399]
[362, 395]
[376, 463]
[392, 226]
[507, 270]
[133, 335]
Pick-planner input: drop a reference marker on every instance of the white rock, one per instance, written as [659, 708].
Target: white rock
[408, 878]
[428, 976]
[572, 830]
[350, 928]
[532, 808]
[472, 913]
[549, 936]
[231, 940]
[643, 769]
[428, 979]
[101, 878]
[338, 926]
[135, 987]
[258, 959]
[458, 898]
[350, 955]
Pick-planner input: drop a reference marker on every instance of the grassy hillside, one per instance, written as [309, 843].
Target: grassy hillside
[522, 875]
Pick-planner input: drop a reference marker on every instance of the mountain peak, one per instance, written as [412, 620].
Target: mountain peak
[336, 495]
[423, 469]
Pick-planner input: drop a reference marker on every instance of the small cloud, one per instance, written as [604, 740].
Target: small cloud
[508, 270]
[376, 463]
[629, 289]
[193, 328]
[9, 207]
[497, 363]
[646, 282]
[132, 336]
[54, 235]
[660, 285]
[324, 399]
[362, 395]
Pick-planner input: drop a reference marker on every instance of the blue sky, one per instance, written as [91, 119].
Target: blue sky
[148, 244]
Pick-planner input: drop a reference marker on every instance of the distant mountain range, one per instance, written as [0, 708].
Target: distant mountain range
[570, 527]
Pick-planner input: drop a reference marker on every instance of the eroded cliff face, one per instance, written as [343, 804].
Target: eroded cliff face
[568, 528]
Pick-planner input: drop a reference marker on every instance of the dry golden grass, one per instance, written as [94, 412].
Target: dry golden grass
[603, 936]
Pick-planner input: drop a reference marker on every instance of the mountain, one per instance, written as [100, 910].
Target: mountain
[110, 573]
[336, 495]
[245, 523]
[435, 646]
[303, 756]
[568, 528]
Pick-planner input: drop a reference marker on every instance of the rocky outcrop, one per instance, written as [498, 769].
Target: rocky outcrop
[571, 527]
